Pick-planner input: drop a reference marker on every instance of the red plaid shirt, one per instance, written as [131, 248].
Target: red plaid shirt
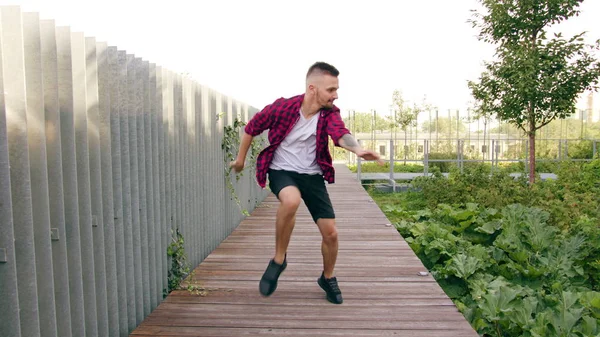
[279, 118]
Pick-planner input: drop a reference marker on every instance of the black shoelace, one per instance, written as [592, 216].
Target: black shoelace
[333, 285]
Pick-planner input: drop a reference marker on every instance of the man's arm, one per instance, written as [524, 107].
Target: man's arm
[260, 122]
[341, 136]
[348, 142]
[239, 162]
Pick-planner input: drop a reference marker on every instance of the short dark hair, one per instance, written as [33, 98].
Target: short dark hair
[324, 67]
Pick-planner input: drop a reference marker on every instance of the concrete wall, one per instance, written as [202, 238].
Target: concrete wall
[102, 154]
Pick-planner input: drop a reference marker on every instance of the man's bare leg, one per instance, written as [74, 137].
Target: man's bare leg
[329, 249]
[289, 198]
[329, 245]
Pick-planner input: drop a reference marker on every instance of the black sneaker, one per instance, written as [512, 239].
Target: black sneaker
[268, 282]
[330, 285]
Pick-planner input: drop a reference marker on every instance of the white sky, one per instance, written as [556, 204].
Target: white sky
[259, 50]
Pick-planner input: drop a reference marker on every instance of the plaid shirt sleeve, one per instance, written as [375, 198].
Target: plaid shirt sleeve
[261, 121]
[336, 127]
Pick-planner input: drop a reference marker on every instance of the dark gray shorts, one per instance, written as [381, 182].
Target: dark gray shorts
[312, 190]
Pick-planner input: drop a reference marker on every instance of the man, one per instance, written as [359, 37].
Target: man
[298, 162]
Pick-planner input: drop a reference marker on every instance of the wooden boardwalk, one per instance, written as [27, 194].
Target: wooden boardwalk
[376, 269]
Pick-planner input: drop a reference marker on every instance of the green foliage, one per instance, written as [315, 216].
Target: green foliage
[573, 194]
[444, 166]
[582, 149]
[370, 167]
[444, 126]
[548, 166]
[403, 114]
[517, 261]
[179, 267]
[365, 122]
[179, 275]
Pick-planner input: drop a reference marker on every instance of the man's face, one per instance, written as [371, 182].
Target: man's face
[326, 90]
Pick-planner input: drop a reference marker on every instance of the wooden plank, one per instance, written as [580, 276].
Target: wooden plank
[378, 274]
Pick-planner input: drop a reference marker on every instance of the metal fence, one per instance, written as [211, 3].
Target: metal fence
[457, 152]
[102, 154]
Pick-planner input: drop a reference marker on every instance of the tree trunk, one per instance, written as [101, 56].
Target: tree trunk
[485, 155]
[404, 147]
[531, 157]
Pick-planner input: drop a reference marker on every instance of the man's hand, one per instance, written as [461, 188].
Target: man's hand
[237, 166]
[369, 155]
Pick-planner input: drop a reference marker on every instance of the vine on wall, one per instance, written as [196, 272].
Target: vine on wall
[230, 146]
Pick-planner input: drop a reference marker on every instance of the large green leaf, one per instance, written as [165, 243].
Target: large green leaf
[567, 314]
[522, 315]
[463, 265]
[591, 300]
[495, 303]
[589, 326]
[490, 227]
[538, 233]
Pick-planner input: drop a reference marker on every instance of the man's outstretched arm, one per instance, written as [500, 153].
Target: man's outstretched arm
[238, 164]
[349, 143]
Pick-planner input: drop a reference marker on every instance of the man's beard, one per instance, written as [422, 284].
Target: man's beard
[327, 105]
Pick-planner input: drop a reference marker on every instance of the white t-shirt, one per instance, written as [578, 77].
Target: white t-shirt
[298, 150]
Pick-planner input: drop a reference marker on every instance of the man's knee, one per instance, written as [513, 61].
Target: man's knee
[328, 230]
[290, 198]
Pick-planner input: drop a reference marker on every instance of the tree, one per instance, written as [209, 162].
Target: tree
[534, 79]
[362, 122]
[444, 125]
[403, 115]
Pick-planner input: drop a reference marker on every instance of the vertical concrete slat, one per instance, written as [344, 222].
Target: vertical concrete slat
[162, 120]
[146, 196]
[83, 182]
[197, 173]
[117, 85]
[93, 133]
[169, 131]
[183, 162]
[105, 78]
[55, 188]
[177, 97]
[20, 179]
[210, 163]
[9, 298]
[141, 173]
[192, 172]
[217, 219]
[36, 124]
[185, 177]
[207, 134]
[221, 192]
[69, 173]
[125, 86]
[150, 207]
[135, 193]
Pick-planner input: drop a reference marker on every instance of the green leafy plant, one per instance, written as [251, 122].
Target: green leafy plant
[514, 267]
[179, 275]
[179, 266]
